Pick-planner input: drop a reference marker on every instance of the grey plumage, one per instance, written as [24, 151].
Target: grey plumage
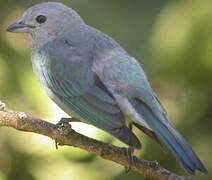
[90, 76]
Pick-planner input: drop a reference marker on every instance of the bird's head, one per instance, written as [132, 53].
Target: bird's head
[46, 21]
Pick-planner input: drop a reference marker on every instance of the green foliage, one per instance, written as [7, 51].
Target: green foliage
[172, 40]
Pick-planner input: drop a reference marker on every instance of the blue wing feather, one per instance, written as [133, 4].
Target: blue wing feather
[172, 139]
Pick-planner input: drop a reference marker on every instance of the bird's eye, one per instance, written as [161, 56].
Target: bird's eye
[41, 19]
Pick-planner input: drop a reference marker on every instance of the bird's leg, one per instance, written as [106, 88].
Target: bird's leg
[64, 127]
[68, 120]
[130, 151]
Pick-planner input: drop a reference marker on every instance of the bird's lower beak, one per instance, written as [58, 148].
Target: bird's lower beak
[19, 26]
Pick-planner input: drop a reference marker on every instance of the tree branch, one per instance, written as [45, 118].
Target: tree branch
[64, 135]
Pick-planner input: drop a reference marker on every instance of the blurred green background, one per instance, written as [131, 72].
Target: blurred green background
[173, 41]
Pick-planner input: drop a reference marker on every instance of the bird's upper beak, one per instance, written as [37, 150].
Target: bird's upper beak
[19, 26]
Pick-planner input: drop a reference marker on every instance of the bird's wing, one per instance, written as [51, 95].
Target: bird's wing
[79, 89]
[124, 77]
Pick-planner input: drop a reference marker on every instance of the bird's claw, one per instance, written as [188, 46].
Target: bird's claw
[154, 164]
[64, 127]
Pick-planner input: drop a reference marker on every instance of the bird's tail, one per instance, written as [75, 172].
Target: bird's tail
[172, 139]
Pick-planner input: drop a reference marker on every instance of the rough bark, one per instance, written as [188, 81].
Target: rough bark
[63, 134]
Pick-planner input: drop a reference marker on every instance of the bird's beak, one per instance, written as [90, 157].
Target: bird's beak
[19, 26]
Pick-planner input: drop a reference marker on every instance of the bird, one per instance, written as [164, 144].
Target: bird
[92, 78]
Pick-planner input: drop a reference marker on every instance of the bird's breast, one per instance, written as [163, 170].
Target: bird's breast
[39, 68]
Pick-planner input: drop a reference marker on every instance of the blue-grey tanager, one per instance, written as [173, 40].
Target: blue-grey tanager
[91, 77]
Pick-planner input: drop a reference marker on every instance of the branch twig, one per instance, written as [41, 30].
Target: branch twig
[64, 135]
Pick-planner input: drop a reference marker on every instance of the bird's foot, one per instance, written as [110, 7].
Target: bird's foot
[64, 128]
[154, 164]
[129, 152]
